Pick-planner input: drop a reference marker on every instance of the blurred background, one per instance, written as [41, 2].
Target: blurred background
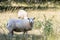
[46, 13]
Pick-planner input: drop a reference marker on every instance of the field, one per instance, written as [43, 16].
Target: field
[37, 32]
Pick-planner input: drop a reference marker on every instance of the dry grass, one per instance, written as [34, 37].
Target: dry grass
[38, 14]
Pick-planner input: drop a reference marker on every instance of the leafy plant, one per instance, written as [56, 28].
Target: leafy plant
[48, 29]
[38, 25]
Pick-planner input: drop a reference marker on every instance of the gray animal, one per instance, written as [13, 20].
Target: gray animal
[19, 25]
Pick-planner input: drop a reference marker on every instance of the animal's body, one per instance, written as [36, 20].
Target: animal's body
[22, 14]
[19, 25]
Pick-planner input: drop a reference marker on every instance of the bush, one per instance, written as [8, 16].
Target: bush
[48, 29]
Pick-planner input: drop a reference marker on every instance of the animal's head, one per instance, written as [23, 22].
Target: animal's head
[31, 20]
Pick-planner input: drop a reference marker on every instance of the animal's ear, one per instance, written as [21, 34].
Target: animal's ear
[28, 18]
[34, 18]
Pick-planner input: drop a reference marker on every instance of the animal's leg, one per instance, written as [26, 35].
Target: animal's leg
[27, 34]
[10, 35]
[23, 33]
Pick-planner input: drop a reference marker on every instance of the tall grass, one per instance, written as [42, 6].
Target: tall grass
[47, 22]
[48, 28]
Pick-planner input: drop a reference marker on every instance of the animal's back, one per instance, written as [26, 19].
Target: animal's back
[18, 23]
[22, 23]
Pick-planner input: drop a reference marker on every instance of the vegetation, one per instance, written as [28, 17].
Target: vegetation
[48, 29]
[47, 22]
[46, 13]
[28, 4]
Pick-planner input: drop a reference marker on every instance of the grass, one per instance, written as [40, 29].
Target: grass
[37, 32]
